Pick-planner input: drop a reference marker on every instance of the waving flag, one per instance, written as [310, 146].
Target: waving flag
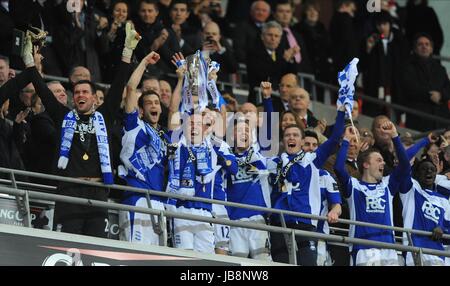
[347, 79]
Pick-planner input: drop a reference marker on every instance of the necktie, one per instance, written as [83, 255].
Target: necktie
[274, 56]
[292, 43]
[304, 122]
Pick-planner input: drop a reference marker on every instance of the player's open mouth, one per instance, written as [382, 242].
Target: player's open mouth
[154, 113]
[429, 177]
[292, 145]
[81, 102]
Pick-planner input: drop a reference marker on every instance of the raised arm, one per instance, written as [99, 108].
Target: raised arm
[413, 150]
[402, 173]
[131, 100]
[175, 99]
[54, 108]
[339, 165]
[13, 86]
[266, 90]
[326, 149]
[114, 97]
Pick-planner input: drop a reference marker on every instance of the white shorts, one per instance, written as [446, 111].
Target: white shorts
[245, 241]
[375, 257]
[323, 255]
[140, 229]
[427, 260]
[193, 235]
[221, 232]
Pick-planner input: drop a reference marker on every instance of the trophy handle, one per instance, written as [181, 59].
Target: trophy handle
[38, 37]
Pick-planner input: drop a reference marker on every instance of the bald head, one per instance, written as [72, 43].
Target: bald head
[260, 11]
[299, 100]
[211, 30]
[287, 83]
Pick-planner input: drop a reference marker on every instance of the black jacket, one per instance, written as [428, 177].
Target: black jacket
[261, 67]
[419, 77]
[149, 32]
[344, 40]
[245, 36]
[36, 140]
[384, 70]
[318, 43]
[305, 65]
[9, 154]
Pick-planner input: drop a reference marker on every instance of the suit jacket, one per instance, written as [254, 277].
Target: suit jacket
[261, 67]
[419, 77]
[344, 40]
[305, 64]
[246, 35]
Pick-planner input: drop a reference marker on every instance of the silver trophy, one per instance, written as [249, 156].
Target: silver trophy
[195, 81]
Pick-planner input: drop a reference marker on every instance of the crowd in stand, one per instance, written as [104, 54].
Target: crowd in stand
[133, 134]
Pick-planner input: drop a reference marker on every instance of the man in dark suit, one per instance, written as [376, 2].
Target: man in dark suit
[343, 35]
[266, 60]
[247, 33]
[188, 36]
[291, 41]
[426, 85]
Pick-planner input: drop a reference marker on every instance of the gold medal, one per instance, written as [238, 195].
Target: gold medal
[85, 157]
[283, 189]
[228, 163]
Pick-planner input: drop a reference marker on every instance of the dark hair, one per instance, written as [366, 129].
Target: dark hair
[174, 2]
[311, 133]
[411, 3]
[83, 81]
[302, 132]
[363, 157]
[297, 119]
[151, 2]
[341, 3]
[283, 2]
[5, 58]
[422, 35]
[310, 4]
[383, 17]
[144, 94]
[123, 2]
[417, 163]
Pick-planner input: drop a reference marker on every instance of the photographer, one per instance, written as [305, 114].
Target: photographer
[220, 51]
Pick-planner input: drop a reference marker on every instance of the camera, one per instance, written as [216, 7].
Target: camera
[210, 40]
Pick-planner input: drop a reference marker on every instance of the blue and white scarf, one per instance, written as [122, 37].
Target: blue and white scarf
[68, 130]
[346, 79]
[216, 96]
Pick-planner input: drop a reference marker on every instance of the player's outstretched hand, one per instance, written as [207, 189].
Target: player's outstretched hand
[178, 60]
[389, 128]
[266, 89]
